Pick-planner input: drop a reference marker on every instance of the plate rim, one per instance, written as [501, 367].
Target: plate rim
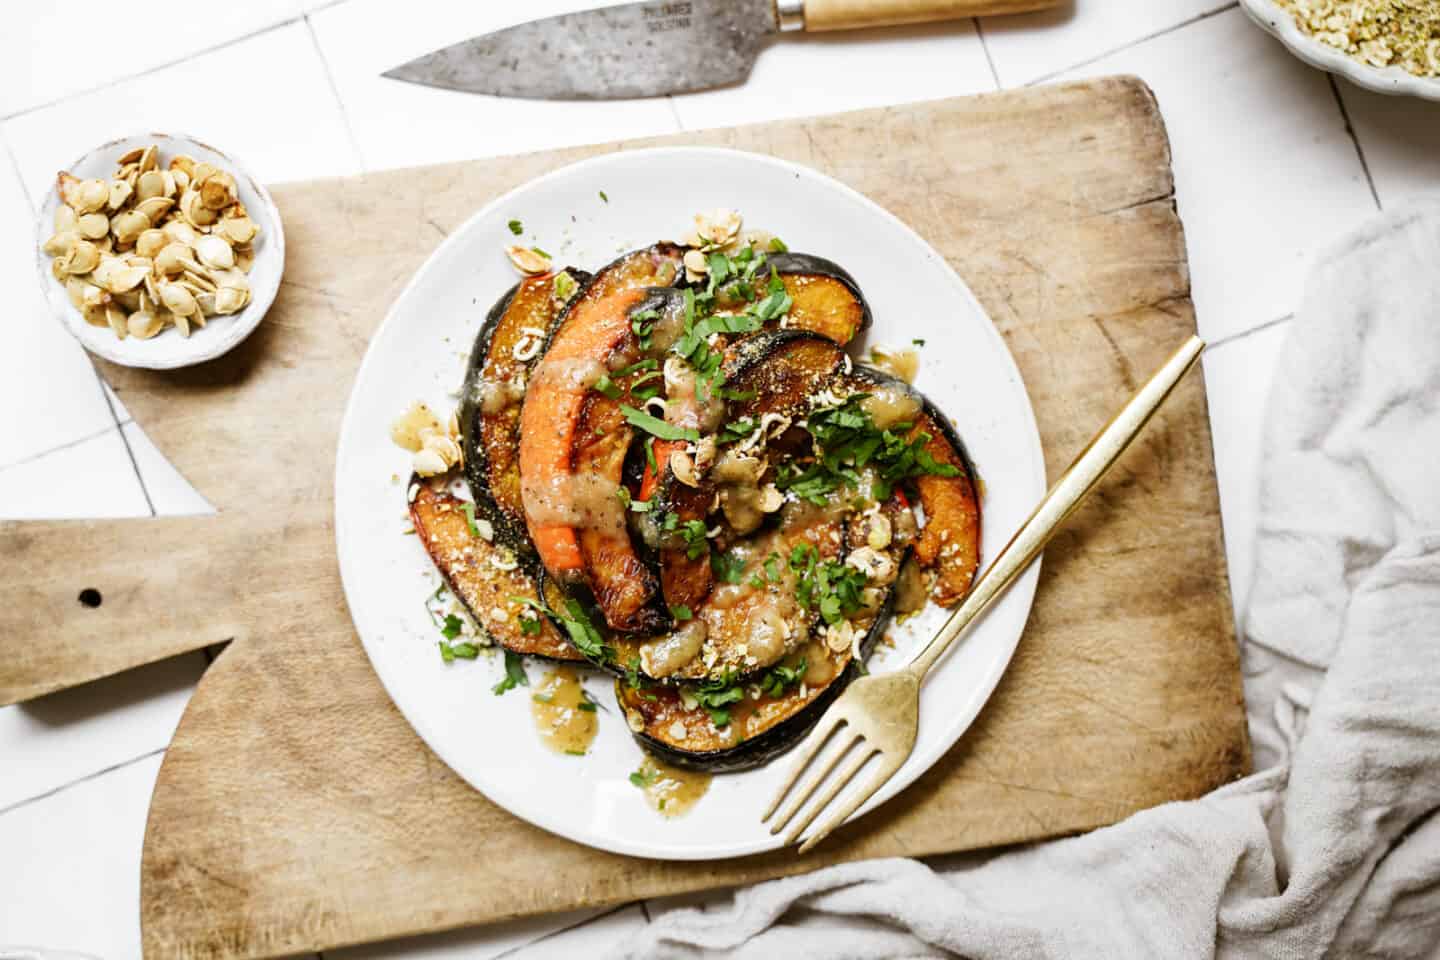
[1391, 81]
[1025, 585]
[245, 321]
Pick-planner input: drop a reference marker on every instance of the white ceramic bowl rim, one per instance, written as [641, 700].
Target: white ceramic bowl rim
[220, 334]
[1388, 80]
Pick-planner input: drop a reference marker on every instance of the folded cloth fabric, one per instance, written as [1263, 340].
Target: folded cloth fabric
[1334, 848]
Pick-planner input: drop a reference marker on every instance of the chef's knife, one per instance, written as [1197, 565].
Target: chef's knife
[659, 46]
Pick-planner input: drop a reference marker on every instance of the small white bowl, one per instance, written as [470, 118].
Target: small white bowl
[169, 349]
[1395, 81]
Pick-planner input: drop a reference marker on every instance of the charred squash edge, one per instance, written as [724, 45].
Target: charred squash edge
[550, 644]
[599, 287]
[773, 740]
[477, 465]
[865, 374]
[800, 264]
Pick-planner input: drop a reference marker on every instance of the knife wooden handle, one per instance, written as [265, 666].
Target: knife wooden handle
[823, 15]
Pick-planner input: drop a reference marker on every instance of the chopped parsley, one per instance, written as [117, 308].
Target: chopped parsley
[657, 427]
[829, 586]
[530, 626]
[727, 567]
[650, 453]
[452, 626]
[465, 651]
[586, 705]
[736, 430]
[693, 533]
[541, 252]
[777, 678]
[715, 695]
[468, 509]
[564, 286]
[778, 246]
[583, 634]
[681, 612]
[918, 341]
[516, 227]
[514, 675]
[642, 322]
[603, 197]
[643, 778]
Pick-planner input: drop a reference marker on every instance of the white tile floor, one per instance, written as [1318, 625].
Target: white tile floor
[1273, 161]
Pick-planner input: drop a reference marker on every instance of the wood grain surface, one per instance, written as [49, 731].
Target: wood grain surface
[296, 810]
[823, 15]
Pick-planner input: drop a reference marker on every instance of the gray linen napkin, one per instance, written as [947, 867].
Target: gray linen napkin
[1334, 848]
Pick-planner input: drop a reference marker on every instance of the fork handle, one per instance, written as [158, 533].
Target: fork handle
[1063, 498]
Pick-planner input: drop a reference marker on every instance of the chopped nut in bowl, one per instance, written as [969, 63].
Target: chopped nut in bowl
[159, 251]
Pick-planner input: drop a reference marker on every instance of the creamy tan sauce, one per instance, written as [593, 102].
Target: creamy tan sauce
[409, 429]
[910, 588]
[670, 790]
[582, 500]
[579, 373]
[890, 405]
[556, 706]
[903, 363]
[663, 656]
[683, 406]
[496, 395]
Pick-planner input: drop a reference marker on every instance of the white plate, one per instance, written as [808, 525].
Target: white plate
[417, 354]
[1389, 80]
[169, 349]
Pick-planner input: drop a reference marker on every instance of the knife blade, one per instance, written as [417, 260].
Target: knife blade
[634, 50]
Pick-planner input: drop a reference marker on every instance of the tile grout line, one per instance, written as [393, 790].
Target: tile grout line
[1355, 139]
[76, 782]
[64, 446]
[675, 112]
[116, 81]
[555, 933]
[1235, 337]
[134, 464]
[984, 46]
[335, 92]
[1203, 15]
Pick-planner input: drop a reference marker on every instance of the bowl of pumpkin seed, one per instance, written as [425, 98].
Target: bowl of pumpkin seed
[159, 251]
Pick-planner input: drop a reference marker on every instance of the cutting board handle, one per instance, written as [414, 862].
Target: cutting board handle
[822, 15]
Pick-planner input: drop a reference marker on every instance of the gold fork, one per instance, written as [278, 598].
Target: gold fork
[879, 713]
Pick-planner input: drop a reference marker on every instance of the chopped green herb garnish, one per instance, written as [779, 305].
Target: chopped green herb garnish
[778, 246]
[648, 364]
[516, 227]
[777, 678]
[918, 341]
[643, 778]
[829, 586]
[542, 697]
[772, 568]
[587, 706]
[607, 387]
[715, 695]
[584, 635]
[576, 753]
[541, 252]
[603, 197]
[452, 626]
[736, 430]
[681, 612]
[468, 509]
[694, 534]
[514, 675]
[465, 651]
[530, 626]
[650, 453]
[657, 427]
[727, 567]
[564, 286]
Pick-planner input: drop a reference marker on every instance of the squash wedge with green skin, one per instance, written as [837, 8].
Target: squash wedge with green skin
[949, 544]
[762, 727]
[825, 299]
[484, 576]
[519, 323]
[573, 441]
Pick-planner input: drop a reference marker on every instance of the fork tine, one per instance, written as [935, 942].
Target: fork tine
[843, 745]
[862, 757]
[850, 806]
[808, 751]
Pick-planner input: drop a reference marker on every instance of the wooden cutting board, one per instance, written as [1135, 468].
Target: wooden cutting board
[296, 810]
